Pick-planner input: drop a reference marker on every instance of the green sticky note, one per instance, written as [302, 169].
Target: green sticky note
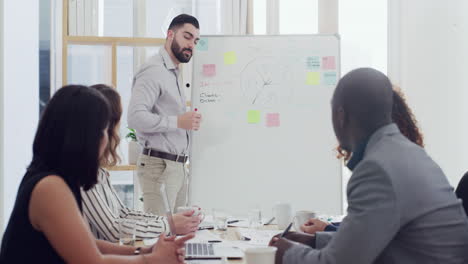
[253, 116]
[202, 44]
[313, 63]
[230, 57]
[313, 78]
[329, 78]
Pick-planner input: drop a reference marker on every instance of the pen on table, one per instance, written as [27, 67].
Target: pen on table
[232, 222]
[214, 241]
[286, 230]
[269, 221]
[205, 227]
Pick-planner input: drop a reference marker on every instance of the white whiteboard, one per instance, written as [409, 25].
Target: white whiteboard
[266, 134]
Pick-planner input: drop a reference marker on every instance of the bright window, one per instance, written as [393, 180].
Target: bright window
[363, 30]
[298, 16]
[259, 16]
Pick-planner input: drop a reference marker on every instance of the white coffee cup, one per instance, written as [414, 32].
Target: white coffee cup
[263, 255]
[302, 217]
[283, 214]
[196, 210]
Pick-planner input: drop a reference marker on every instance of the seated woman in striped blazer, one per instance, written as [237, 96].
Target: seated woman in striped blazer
[101, 205]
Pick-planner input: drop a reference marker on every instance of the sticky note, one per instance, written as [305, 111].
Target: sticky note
[202, 44]
[328, 63]
[313, 63]
[329, 78]
[230, 57]
[313, 78]
[253, 116]
[272, 120]
[209, 70]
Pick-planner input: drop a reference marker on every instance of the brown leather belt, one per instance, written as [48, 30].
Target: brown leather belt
[164, 155]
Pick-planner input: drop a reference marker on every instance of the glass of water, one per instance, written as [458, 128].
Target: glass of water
[126, 231]
[220, 218]
[255, 218]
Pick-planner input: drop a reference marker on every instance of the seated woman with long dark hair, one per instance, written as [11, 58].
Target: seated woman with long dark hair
[46, 225]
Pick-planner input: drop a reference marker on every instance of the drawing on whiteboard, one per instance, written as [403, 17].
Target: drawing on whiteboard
[266, 81]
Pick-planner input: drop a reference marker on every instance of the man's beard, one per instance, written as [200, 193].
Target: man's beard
[179, 53]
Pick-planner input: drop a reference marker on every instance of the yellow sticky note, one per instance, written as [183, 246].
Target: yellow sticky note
[313, 78]
[230, 57]
[253, 116]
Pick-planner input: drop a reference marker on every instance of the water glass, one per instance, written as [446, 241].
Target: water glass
[220, 219]
[255, 218]
[126, 231]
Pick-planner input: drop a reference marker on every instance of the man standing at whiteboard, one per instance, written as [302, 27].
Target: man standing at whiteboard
[157, 112]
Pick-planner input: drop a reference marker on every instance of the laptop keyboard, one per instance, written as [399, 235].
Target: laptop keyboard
[199, 249]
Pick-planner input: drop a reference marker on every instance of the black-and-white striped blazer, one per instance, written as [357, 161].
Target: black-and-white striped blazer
[102, 208]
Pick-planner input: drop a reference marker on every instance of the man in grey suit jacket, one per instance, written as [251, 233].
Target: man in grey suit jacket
[401, 206]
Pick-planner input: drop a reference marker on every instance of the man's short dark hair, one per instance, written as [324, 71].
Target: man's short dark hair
[181, 19]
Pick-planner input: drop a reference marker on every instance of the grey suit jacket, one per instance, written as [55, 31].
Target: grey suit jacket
[401, 210]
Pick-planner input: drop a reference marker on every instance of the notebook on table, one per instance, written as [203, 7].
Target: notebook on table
[200, 250]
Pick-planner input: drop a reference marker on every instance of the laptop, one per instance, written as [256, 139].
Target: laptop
[200, 250]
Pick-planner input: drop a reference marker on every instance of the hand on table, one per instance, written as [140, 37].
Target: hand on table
[282, 244]
[306, 239]
[313, 225]
[169, 250]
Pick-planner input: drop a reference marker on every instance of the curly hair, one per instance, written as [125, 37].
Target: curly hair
[404, 119]
[111, 157]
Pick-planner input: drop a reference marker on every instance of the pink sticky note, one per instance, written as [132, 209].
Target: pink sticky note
[272, 119]
[328, 63]
[209, 70]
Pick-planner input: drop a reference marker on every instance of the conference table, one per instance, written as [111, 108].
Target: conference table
[232, 234]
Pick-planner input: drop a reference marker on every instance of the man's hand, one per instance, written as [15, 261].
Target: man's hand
[189, 121]
[282, 244]
[186, 222]
[313, 225]
[306, 239]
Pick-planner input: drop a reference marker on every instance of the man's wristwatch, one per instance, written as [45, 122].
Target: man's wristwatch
[137, 251]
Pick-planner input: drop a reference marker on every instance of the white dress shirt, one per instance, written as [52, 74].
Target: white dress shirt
[157, 99]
